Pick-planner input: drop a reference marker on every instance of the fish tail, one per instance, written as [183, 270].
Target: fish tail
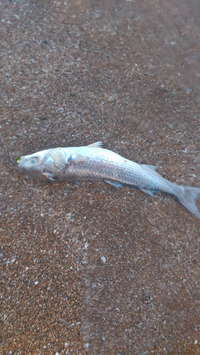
[188, 198]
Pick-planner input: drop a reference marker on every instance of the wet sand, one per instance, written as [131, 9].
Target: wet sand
[95, 269]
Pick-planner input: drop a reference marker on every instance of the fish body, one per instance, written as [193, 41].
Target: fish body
[94, 163]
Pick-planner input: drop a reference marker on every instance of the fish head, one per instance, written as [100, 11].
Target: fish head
[42, 165]
[31, 165]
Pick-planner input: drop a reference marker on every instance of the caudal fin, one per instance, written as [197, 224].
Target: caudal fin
[188, 199]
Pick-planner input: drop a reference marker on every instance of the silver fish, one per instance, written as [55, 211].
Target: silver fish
[97, 164]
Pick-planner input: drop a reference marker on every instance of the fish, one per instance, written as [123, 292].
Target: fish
[94, 163]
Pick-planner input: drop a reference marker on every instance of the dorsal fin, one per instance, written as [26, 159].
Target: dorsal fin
[152, 167]
[96, 145]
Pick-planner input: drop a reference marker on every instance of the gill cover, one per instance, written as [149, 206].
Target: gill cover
[58, 156]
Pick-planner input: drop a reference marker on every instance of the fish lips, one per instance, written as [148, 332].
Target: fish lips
[31, 173]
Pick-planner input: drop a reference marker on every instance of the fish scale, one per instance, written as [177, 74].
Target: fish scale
[123, 171]
[75, 164]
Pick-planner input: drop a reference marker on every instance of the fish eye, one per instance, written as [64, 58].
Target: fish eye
[33, 160]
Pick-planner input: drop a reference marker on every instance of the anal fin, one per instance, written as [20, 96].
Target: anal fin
[149, 192]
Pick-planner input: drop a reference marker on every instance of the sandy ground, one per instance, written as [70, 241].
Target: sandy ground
[95, 269]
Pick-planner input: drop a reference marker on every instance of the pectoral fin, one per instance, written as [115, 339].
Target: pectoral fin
[149, 192]
[77, 158]
[96, 145]
[49, 176]
[78, 183]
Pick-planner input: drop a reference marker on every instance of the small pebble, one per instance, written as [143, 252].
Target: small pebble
[103, 259]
